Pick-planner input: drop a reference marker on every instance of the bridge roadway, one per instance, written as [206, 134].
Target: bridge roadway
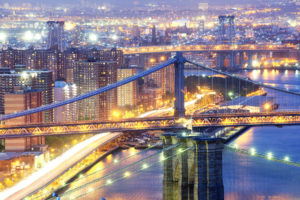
[154, 123]
[56, 167]
[208, 48]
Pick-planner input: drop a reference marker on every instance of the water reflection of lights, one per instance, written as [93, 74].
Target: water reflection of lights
[265, 74]
[255, 74]
[132, 151]
[245, 139]
[286, 73]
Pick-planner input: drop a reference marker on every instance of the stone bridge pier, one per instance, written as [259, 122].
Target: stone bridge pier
[193, 174]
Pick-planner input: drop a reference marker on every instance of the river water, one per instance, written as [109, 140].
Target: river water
[244, 177]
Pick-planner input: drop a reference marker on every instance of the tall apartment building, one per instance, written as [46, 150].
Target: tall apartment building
[108, 100]
[64, 91]
[164, 78]
[33, 79]
[60, 63]
[23, 99]
[127, 94]
[89, 76]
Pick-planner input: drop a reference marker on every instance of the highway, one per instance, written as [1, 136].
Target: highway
[166, 111]
[56, 167]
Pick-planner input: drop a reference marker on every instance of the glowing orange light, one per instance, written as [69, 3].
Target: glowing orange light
[267, 106]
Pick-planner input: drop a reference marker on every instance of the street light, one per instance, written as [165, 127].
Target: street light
[37, 36]
[28, 36]
[116, 113]
[114, 37]
[93, 37]
[267, 106]
[3, 36]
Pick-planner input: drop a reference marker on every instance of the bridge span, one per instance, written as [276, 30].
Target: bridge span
[154, 123]
[205, 163]
[209, 48]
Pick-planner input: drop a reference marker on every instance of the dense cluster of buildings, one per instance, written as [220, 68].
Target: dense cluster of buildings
[34, 77]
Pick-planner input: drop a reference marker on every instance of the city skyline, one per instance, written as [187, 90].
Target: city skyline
[130, 3]
[151, 100]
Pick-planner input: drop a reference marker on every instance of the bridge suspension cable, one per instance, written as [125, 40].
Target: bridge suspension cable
[125, 175]
[111, 173]
[89, 94]
[98, 171]
[243, 79]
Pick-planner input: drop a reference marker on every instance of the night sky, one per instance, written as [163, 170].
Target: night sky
[128, 3]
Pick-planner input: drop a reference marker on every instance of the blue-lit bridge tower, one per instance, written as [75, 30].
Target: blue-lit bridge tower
[195, 174]
[179, 110]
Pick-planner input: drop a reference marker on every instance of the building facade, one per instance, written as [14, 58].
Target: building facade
[127, 94]
[89, 76]
[64, 91]
[27, 79]
[23, 99]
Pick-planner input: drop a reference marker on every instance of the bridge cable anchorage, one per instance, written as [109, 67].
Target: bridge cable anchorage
[111, 173]
[125, 175]
[89, 94]
[268, 156]
[244, 79]
[97, 171]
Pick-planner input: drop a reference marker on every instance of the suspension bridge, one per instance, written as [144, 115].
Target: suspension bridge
[201, 169]
[178, 121]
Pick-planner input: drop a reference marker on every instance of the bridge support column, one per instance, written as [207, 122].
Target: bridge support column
[184, 170]
[170, 188]
[258, 57]
[178, 181]
[220, 60]
[179, 85]
[232, 60]
[195, 173]
[241, 59]
[208, 169]
[271, 54]
[249, 55]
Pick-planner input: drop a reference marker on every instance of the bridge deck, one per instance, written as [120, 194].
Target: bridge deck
[155, 123]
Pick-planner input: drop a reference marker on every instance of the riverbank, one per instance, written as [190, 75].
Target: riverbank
[234, 133]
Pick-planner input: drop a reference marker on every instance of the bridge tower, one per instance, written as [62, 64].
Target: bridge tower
[179, 110]
[195, 174]
[226, 33]
[250, 59]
